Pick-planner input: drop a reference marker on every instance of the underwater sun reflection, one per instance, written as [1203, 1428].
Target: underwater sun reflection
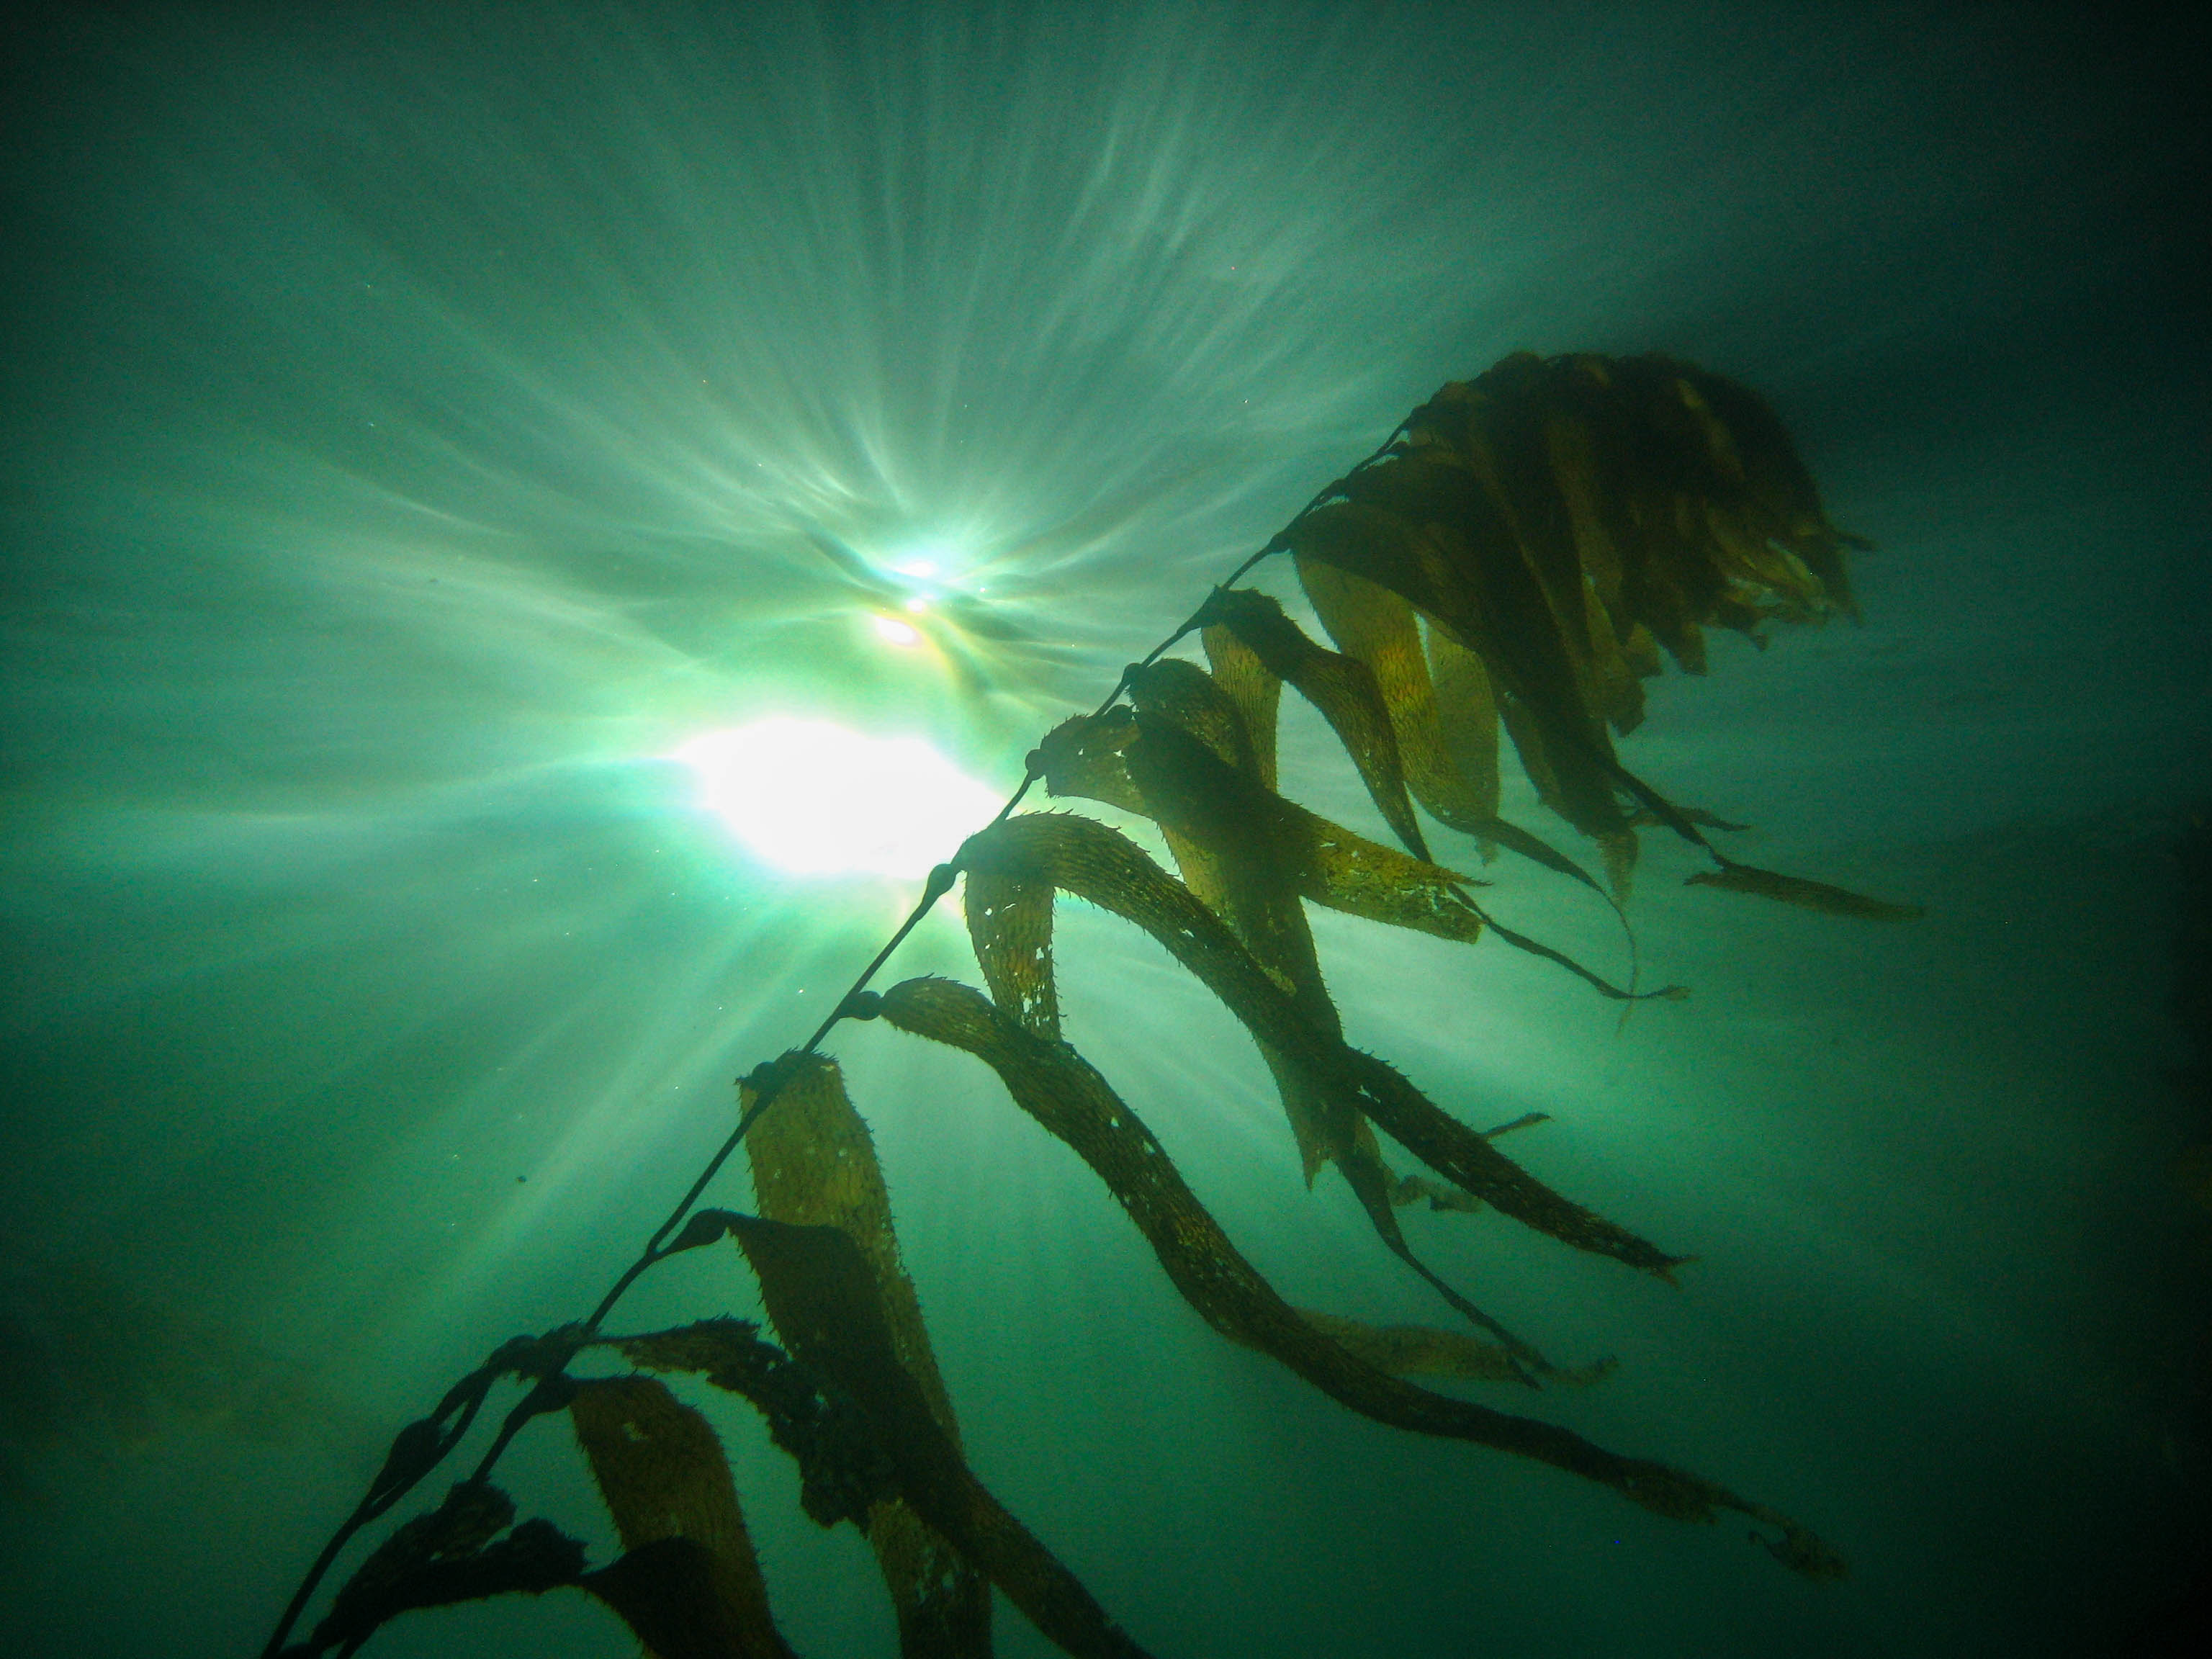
[813, 797]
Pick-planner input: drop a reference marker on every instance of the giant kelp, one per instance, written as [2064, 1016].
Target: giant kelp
[1516, 557]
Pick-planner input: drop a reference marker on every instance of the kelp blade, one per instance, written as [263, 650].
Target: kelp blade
[1806, 895]
[1087, 859]
[1444, 757]
[663, 1476]
[1344, 690]
[1424, 1351]
[1556, 517]
[1065, 1094]
[672, 1595]
[814, 1163]
[670, 1591]
[1246, 854]
[1324, 862]
[823, 1296]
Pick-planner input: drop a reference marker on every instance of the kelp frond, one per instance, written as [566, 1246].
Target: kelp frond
[1518, 556]
[1553, 522]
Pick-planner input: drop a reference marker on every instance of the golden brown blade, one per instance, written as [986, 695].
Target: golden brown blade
[662, 1472]
[1424, 1350]
[814, 1163]
[1796, 890]
[1341, 687]
[1257, 691]
[1054, 1085]
[1441, 748]
[1096, 863]
[1010, 924]
[822, 1296]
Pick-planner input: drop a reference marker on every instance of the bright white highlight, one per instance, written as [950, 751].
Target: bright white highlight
[816, 799]
[896, 632]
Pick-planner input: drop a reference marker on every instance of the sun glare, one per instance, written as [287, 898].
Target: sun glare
[895, 632]
[813, 798]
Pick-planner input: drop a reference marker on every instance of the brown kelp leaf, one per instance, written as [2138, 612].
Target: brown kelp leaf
[1413, 1189]
[1444, 709]
[1191, 764]
[1424, 1350]
[1185, 696]
[814, 1163]
[1714, 519]
[1010, 925]
[1559, 516]
[1342, 688]
[844, 1472]
[1211, 814]
[1506, 437]
[1778, 510]
[1570, 453]
[1513, 610]
[1796, 890]
[1206, 806]
[1749, 878]
[823, 1296]
[671, 1594]
[1086, 757]
[1082, 756]
[1222, 827]
[1238, 843]
[1257, 691]
[1426, 527]
[1304, 854]
[1198, 778]
[1054, 1085]
[1087, 859]
[1536, 850]
[663, 1475]
[1467, 719]
[445, 1557]
[1445, 768]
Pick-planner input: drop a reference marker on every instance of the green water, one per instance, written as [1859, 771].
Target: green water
[421, 422]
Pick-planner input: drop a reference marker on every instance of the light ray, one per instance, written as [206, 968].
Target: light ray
[816, 799]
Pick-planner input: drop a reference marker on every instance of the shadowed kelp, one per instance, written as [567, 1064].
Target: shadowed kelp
[1518, 555]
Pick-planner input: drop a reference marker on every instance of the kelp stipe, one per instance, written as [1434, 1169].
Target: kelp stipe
[1516, 556]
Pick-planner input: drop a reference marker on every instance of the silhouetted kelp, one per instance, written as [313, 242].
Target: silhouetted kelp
[1517, 554]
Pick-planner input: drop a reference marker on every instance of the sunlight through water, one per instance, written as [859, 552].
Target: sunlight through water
[813, 797]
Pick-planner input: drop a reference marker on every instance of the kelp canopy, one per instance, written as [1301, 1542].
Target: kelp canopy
[1518, 555]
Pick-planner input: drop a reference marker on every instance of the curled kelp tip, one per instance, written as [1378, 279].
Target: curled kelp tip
[1803, 1553]
[1426, 1351]
[1645, 817]
[1680, 1496]
[1806, 893]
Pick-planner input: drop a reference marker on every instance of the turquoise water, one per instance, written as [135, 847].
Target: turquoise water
[423, 424]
